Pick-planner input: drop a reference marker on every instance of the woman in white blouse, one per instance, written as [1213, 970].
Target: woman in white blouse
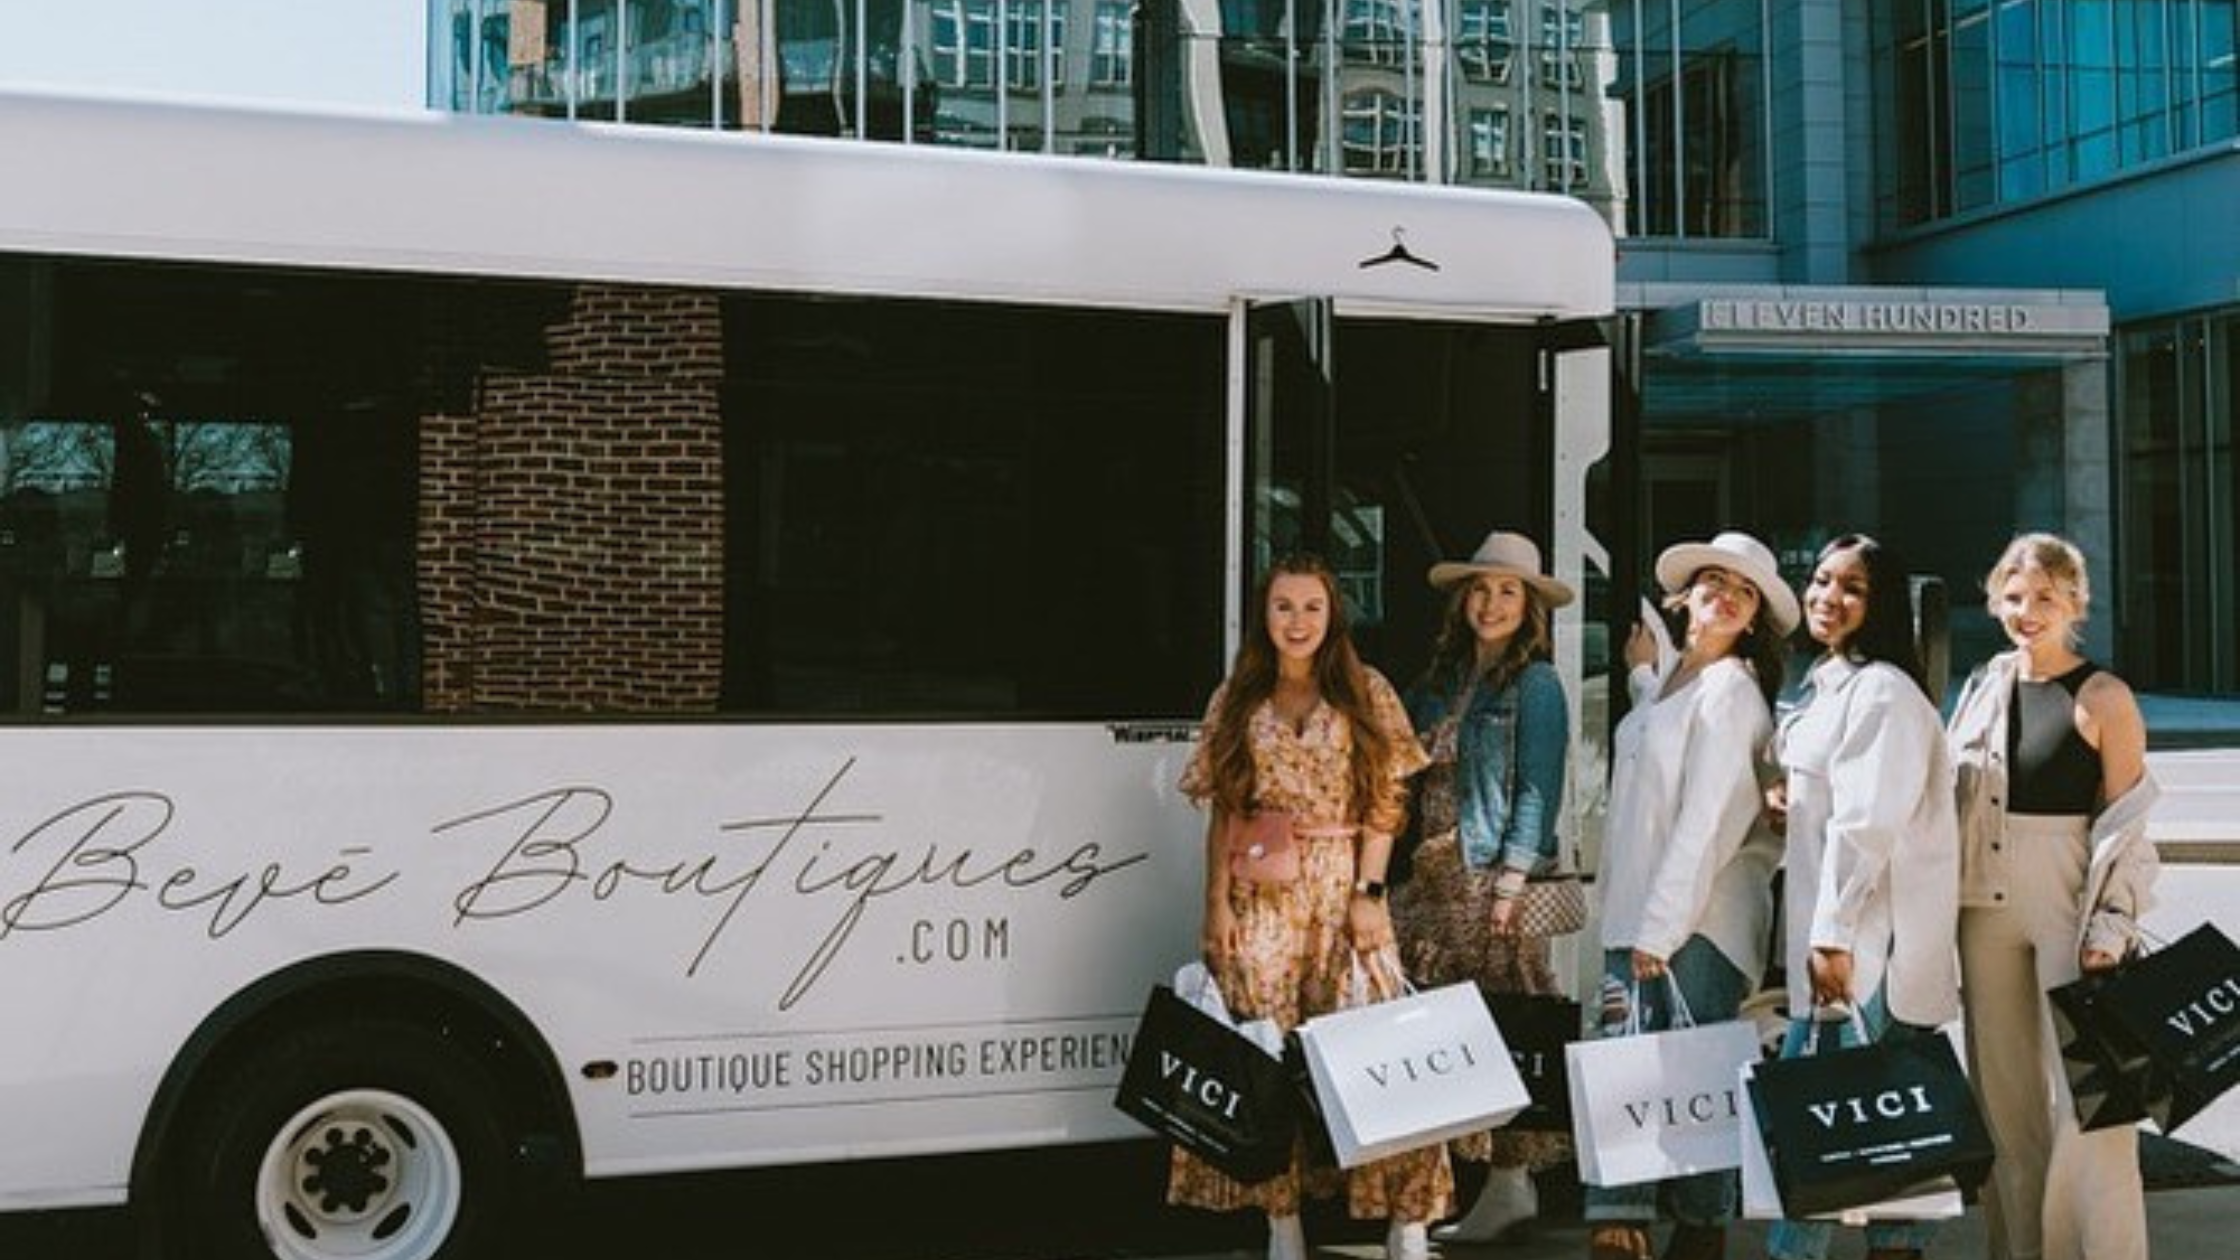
[1872, 896]
[1686, 866]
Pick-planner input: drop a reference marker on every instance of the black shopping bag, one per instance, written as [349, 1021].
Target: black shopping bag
[1867, 1123]
[2111, 1077]
[2180, 1006]
[1209, 1089]
[1537, 1027]
[1315, 1147]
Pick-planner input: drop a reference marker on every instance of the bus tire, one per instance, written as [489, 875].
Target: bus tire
[371, 1138]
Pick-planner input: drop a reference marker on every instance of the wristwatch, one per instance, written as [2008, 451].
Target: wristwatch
[1373, 889]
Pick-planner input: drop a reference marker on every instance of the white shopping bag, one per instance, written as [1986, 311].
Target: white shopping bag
[1410, 1072]
[1939, 1200]
[1647, 1106]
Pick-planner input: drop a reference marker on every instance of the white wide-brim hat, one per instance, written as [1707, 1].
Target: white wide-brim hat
[1508, 554]
[1736, 552]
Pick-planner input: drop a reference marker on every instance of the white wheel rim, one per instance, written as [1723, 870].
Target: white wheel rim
[364, 1174]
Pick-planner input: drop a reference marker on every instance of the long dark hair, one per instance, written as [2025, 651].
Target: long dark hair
[1455, 653]
[1339, 677]
[1766, 650]
[1886, 633]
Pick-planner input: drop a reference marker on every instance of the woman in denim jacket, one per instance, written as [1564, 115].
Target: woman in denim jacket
[2055, 872]
[1491, 711]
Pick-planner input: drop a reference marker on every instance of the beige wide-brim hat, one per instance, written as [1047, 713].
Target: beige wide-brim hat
[1507, 554]
[1736, 552]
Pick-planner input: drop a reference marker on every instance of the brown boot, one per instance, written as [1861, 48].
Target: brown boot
[1618, 1242]
[1697, 1242]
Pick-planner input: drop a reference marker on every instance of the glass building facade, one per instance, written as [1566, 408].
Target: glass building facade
[1998, 101]
[1575, 96]
[2040, 193]
[2028, 129]
[2180, 381]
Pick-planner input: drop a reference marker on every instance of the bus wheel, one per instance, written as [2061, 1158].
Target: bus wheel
[370, 1139]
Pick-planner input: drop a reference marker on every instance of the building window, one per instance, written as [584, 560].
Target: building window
[1112, 44]
[1970, 103]
[595, 60]
[1562, 32]
[1564, 153]
[2180, 504]
[1483, 44]
[668, 58]
[1489, 143]
[2021, 107]
[1381, 133]
[1025, 52]
[2143, 83]
[1375, 32]
[1694, 101]
[964, 43]
[2215, 38]
[1990, 101]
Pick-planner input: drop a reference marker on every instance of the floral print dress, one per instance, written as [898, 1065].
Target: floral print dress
[1297, 954]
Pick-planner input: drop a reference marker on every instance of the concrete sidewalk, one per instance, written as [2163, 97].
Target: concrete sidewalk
[2193, 1213]
[2197, 1223]
[2194, 1223]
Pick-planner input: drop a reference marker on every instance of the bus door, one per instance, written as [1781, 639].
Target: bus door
[1387, 444]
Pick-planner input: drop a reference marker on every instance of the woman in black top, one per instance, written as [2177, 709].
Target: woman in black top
[2055, 872]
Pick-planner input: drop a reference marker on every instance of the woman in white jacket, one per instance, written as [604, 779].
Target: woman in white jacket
[2055, 872]
[1686, 867]
[1872, 896]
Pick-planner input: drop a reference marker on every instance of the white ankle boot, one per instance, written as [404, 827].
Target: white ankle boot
[1407, 1240]
[1508, 1200]
[1287, 1238]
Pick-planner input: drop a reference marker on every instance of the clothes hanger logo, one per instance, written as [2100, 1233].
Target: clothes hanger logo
[1399, 254]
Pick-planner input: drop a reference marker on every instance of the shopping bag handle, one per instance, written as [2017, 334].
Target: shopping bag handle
[1827, 1015]
[1360, 980]
[1195, 982]
[1682, 1017]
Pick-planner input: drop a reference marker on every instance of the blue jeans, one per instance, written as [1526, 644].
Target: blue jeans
[1713, 988]
[1808, 1240]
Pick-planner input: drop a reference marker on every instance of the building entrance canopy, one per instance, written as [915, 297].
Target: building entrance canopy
[1768, 353]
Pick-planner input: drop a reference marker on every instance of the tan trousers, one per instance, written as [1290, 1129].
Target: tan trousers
[2055, 1193]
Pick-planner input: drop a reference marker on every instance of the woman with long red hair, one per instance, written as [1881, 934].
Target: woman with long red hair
[1302, 728]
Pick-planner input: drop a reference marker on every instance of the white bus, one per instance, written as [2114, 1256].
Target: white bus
[538, 651]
